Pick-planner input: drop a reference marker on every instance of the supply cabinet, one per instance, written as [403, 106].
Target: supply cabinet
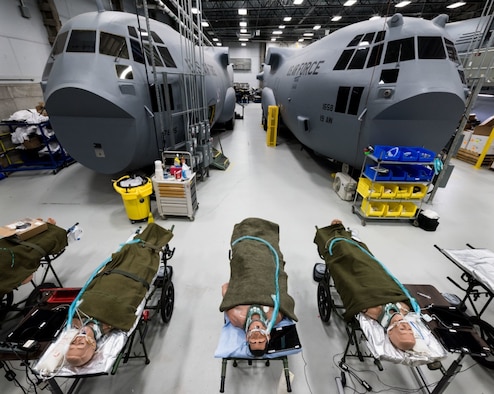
[393, 183]
[176, 197]
[41, 151]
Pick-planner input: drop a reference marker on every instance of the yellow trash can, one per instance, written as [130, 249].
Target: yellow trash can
[135, 192]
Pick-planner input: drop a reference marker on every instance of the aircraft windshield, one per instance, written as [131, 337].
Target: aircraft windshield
[82, 41]
[366, 50]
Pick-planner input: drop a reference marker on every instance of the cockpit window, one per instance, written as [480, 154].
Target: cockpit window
[355, 40]
[344, 59]
[59, 43]
[368, 38]
[136, 51]
[156, 38]
[452, 54]
[156, 56]
[380, 36]
[167, 57]
[400, 50]
[375, 56]
[359, 57]
[113, 45]
[431, 48]
[132, 31]
[82, 41]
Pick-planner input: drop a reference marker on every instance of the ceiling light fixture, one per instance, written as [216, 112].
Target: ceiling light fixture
[281, 26]
[273, 39]
[349, 3]
[243, 24]
[300, 40]
[308, 34]
[287, 19]
[194, 10]
[298, 2]
[456, 5]
[335, 18]
[402, 4]
[243, 39]
[243, 44]
[242, 11]
[317, 27]
[204, 24]
[277, 32]
[243, 30]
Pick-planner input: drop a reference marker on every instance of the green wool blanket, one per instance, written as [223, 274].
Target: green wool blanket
[114, 295]
[360, 280]
[253, 268]
[19, 259]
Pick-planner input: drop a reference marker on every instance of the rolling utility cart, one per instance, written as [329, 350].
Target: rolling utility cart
[176, 196]
[41, 151]
[393, 183]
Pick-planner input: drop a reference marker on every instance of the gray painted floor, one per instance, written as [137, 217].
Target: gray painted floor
[282, 184]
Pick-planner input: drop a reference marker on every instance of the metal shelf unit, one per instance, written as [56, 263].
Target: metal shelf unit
[38, 155]
[397, 198]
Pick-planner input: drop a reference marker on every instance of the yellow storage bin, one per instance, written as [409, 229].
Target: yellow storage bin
[372, 208]
[404, 191]
[409, 209]
[389, 190]
[418, 191]
[393, 209]
[135, 193]
[367, 189]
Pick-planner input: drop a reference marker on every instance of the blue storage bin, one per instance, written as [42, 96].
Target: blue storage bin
[398, 174]
[384, 174]
[424, 154]
[409, 154]
[418, 173]
[387, 153]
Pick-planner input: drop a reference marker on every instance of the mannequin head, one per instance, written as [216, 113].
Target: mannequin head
[82, 347]
[400, 333]
[257, 338]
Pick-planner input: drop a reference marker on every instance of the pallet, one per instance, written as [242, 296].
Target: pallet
[472, 157]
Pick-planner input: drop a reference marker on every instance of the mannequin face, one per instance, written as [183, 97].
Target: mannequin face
[401, 334]
[82, 347]
[257, 336]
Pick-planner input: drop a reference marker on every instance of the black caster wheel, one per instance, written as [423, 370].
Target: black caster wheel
[167, 301]
[324, 303]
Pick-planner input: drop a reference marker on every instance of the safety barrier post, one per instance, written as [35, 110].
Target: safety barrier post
[272, 127]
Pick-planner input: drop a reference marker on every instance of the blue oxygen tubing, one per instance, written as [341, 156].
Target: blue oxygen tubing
[276, 296]
[413, 302]
[76, 301]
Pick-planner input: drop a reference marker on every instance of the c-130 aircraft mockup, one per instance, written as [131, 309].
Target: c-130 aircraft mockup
[100, 91]
[390, 81]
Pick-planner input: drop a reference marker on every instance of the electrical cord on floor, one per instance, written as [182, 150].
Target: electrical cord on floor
[305, 372]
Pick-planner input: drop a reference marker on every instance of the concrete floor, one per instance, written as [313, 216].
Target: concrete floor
[286, 185]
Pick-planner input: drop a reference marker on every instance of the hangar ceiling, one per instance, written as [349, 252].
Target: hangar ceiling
[265, 16]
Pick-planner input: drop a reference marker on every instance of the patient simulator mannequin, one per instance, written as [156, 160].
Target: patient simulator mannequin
[254, 320]
[391, 317]
[83, 346]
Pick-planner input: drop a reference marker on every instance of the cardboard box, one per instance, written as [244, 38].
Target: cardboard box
[24, 229]
[467, 134]
[477, 144]
[485, 127]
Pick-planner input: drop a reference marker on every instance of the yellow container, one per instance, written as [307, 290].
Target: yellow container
[389, 190]
[409, 209]
[135, 194]
[393, 209]
[372, 208]
[404, 190]
[418, 191]
[367, 189]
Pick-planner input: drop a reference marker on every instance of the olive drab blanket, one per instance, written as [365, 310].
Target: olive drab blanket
[114, 295]
[360, 280]
[19, 259]
[253, 267]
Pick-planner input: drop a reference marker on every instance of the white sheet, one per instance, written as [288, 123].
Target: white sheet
[427, 349]
[477, 262]
[232, 343]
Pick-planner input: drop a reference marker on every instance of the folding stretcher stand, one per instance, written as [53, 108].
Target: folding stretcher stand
[337, 278]
[256, 262]
[140, 269]
[20, 257]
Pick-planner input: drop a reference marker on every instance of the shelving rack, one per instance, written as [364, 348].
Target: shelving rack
[393, 186]
[37, 154]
